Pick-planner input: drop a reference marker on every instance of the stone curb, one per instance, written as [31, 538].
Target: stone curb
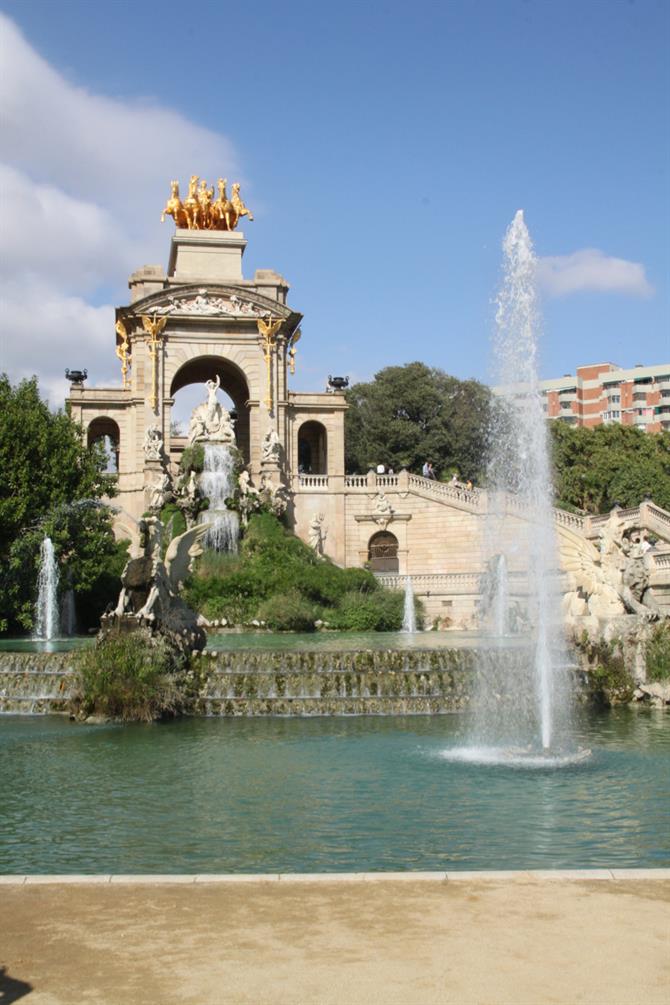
[202, 879]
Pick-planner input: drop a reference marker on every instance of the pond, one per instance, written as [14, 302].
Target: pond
[324, 795]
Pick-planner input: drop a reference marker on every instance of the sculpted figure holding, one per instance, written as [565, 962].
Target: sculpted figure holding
[153, 444]
[271, 450]
[317, 533]
[210, 420]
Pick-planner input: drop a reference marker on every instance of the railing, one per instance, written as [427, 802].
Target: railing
[438, 582]
[387, 481]
[571, 520]
[356, 481]
[662, 561]
[458, 493]
[313, 481]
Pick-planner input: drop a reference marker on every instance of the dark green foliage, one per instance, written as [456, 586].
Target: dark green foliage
[369, 612]
[413, 413]
[609, 680]
[49, 485]
[172, 516]
[658, 653]
[193, 459]
[596, 468]
[129, 677]
[288, 613]
[278, 579]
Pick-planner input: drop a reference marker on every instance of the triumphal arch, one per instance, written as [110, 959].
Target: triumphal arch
[200, 321]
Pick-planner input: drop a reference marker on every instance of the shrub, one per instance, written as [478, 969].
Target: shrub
[658, 653]
[129, 677]
[373, 612]
[290, 613]
[274, 571]
[609, 679]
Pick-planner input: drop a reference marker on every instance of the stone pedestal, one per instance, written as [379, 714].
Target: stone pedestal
[206, 256]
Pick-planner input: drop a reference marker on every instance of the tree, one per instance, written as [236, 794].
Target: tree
[51, 483]
[413, 413]
[596, 468]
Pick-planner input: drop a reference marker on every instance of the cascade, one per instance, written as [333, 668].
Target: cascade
[409, 614]
[217, 483]
[46, 610]
[520, 533]
[68, 617]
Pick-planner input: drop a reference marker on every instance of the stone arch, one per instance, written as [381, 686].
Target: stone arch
[313, 448]
[234, 382]
[383, 552]
[104, 428]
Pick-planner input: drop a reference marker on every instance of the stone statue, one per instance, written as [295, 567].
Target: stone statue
[150, 585]
[210, 420]
[383, 511]
[317, 533]
[160, 493]
[271, 448]
[272, 495]
[612, 579]
[153, 444]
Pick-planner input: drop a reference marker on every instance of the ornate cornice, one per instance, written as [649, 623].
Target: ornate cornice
[214, 301]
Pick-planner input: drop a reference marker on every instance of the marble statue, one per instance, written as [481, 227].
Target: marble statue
[160, 492]
[150, 585]
[612, 579]
[153, 444]
[317, 533]
[211, 421]
[271, 448]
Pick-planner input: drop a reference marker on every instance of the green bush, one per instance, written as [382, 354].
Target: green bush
[290, 613]
[609, 679]
[273, 566]
[129, 677]
[377, 612]
[658, 653]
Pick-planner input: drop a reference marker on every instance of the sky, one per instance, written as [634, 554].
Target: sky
[383, 149]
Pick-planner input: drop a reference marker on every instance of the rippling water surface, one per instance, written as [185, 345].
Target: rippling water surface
[321, 795]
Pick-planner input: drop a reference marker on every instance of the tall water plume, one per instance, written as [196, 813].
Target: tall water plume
[520, 532]
[409, 613]
[46, 610]
[217, 483]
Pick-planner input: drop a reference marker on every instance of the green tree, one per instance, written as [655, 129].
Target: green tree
[596, 468]
[50, 486]
[413, 413]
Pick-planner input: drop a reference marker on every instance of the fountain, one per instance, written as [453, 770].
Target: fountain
[525, 715]
[46, 609]
[218, 483]
[409, 614]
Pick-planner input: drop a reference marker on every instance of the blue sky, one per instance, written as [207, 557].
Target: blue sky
[383, 148]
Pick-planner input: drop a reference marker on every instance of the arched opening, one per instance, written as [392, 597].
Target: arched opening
[234, 394]
[383, 552]
[106, 430]
[312, 449]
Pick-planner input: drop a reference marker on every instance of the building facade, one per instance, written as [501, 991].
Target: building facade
[201, 321]
[601, 393]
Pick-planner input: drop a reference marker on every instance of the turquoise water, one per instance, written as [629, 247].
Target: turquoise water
[285, 641]
[285, 795]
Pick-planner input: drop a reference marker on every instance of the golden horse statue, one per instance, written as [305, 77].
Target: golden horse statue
[191, 205]
[223, 211]
[174, 207]
[240, 208]
[199, 212]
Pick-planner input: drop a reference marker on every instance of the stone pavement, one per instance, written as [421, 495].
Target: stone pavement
[476, 939]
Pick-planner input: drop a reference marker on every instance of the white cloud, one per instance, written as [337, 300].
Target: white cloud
[83, 179]
[592, 270]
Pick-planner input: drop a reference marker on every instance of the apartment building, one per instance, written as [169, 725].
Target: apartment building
[603, 392]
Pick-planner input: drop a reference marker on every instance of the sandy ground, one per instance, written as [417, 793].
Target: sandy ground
[526, 942]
